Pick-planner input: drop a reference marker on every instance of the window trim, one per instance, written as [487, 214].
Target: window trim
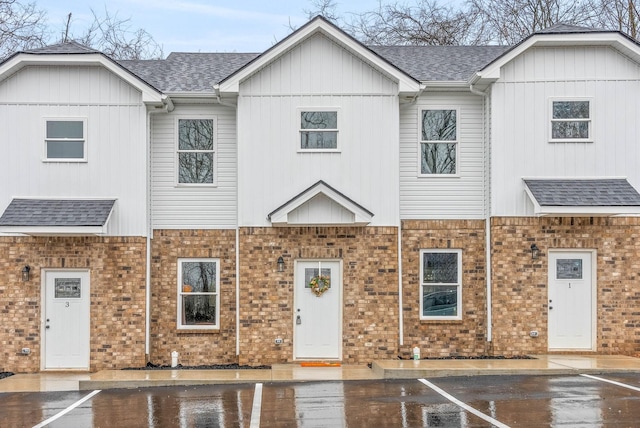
[299, 128]
[46, 140]
[177, 151]
[421, 141]
[181, 293]
[459, 284]
[589, 121]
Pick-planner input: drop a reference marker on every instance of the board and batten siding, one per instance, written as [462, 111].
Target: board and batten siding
[116, 165]
[521, 103]
[318, 73]
[193, 207]
[441, 196]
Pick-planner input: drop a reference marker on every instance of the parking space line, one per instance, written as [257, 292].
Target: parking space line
[624, 385]
[257, 407]
[469, 409]
[67, 410]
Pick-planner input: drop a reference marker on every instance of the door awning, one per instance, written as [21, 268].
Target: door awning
[585, 197]
[320, 205]
[57, 216]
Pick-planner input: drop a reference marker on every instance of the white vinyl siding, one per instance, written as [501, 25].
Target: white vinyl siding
[520, 121]
[318, 75]
[188, 206]
[443, 196]
[115, 130]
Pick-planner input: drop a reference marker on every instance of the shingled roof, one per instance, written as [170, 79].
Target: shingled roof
[584, 193]
[70, 47]
[57, 212]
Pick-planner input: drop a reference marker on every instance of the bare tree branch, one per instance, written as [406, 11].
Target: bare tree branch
[22, 26]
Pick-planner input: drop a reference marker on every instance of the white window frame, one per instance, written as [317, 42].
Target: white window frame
[214, 150]
[458, 284]
[300, 130]
[456, 141]
[181, 292]
[46, 140]
[589, 121]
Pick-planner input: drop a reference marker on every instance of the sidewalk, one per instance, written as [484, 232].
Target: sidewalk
[386, 369]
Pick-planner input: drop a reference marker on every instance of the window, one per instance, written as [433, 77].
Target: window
[438, 142]
[198, 293]
[195, 151]
[441, 284]
[318, 130]
[65, 140]
[571, 120]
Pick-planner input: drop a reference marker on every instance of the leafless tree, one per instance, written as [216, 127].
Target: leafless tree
[326, 8]
[621, 15]
[22, 26]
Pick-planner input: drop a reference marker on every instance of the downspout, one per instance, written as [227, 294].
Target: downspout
[487, 220]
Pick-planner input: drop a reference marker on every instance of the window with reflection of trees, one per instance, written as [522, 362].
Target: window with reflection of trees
[319, 130]
[438, 143]
[195, 151]
[440, 283]
[570, 120]
[198, 295]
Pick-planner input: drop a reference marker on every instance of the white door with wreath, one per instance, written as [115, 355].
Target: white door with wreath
[317, 310]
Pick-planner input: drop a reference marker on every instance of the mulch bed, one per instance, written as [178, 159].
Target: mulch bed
[151, 366]
[5, 374]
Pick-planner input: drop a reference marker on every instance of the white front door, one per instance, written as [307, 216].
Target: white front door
[318, 315]
[571, 302]
[66, 320]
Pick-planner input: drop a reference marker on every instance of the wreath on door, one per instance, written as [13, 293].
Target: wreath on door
[319, 284]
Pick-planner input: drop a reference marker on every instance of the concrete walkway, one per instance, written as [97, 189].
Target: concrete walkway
[386, 369]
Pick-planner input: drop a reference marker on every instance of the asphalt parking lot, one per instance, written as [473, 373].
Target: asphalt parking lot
[479, 401]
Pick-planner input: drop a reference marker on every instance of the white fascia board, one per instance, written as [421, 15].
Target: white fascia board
[613, 39]
[406, 84]
[56, 230]
[149, 93]
[281, 216]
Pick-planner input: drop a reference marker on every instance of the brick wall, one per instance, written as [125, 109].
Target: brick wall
[370, 289]
[195, 347]
[520, 283]
[117, 276]
[466, 337]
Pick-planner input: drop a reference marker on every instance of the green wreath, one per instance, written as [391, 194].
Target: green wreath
[319, 284]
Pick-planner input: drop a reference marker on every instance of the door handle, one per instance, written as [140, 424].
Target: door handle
[298, 320]
[550, 307]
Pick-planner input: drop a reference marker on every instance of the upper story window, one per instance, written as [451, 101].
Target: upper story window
[571, 120]
[196, 151]
[198, 293]
[441, 284]
[438, 142]
[65, 140]
[319, 130]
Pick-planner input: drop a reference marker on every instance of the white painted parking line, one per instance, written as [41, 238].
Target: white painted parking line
[624, 385]
[67, 410]
[257, 407]
[469, 409]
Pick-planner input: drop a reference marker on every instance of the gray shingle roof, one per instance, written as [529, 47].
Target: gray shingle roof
[63, 48]
[584, 193]
[562, 28]
[57, 212]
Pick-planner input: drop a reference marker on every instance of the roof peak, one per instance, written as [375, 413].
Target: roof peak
[68, 47]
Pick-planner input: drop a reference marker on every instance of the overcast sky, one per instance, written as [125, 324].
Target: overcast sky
[199, 25]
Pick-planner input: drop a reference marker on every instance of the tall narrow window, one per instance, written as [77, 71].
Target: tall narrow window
[65, 140]
[196, 153]
[318, 130]
[198, 293]
[439, 142]
[571, 121]
[441, 284]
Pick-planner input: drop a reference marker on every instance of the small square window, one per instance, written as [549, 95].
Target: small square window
[318, 130]
[438, 142]
[441, 284]
[196, 151]
[198, 293]
[65, 140]
[571, 121]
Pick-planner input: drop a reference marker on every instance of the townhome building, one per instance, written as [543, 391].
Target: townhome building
[322, 200]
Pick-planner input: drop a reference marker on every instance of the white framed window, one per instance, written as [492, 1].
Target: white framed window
[196, 151]
[198, 294]
[571, 120]
[440, 284]
[318, 129]
[439, 142]
[65, 139]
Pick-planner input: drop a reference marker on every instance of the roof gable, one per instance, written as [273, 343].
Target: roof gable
[406, 83]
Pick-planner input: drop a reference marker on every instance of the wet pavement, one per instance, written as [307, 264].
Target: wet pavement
[470, 401]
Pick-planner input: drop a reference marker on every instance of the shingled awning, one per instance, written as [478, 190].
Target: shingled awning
[57, 216]
[594, 197]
